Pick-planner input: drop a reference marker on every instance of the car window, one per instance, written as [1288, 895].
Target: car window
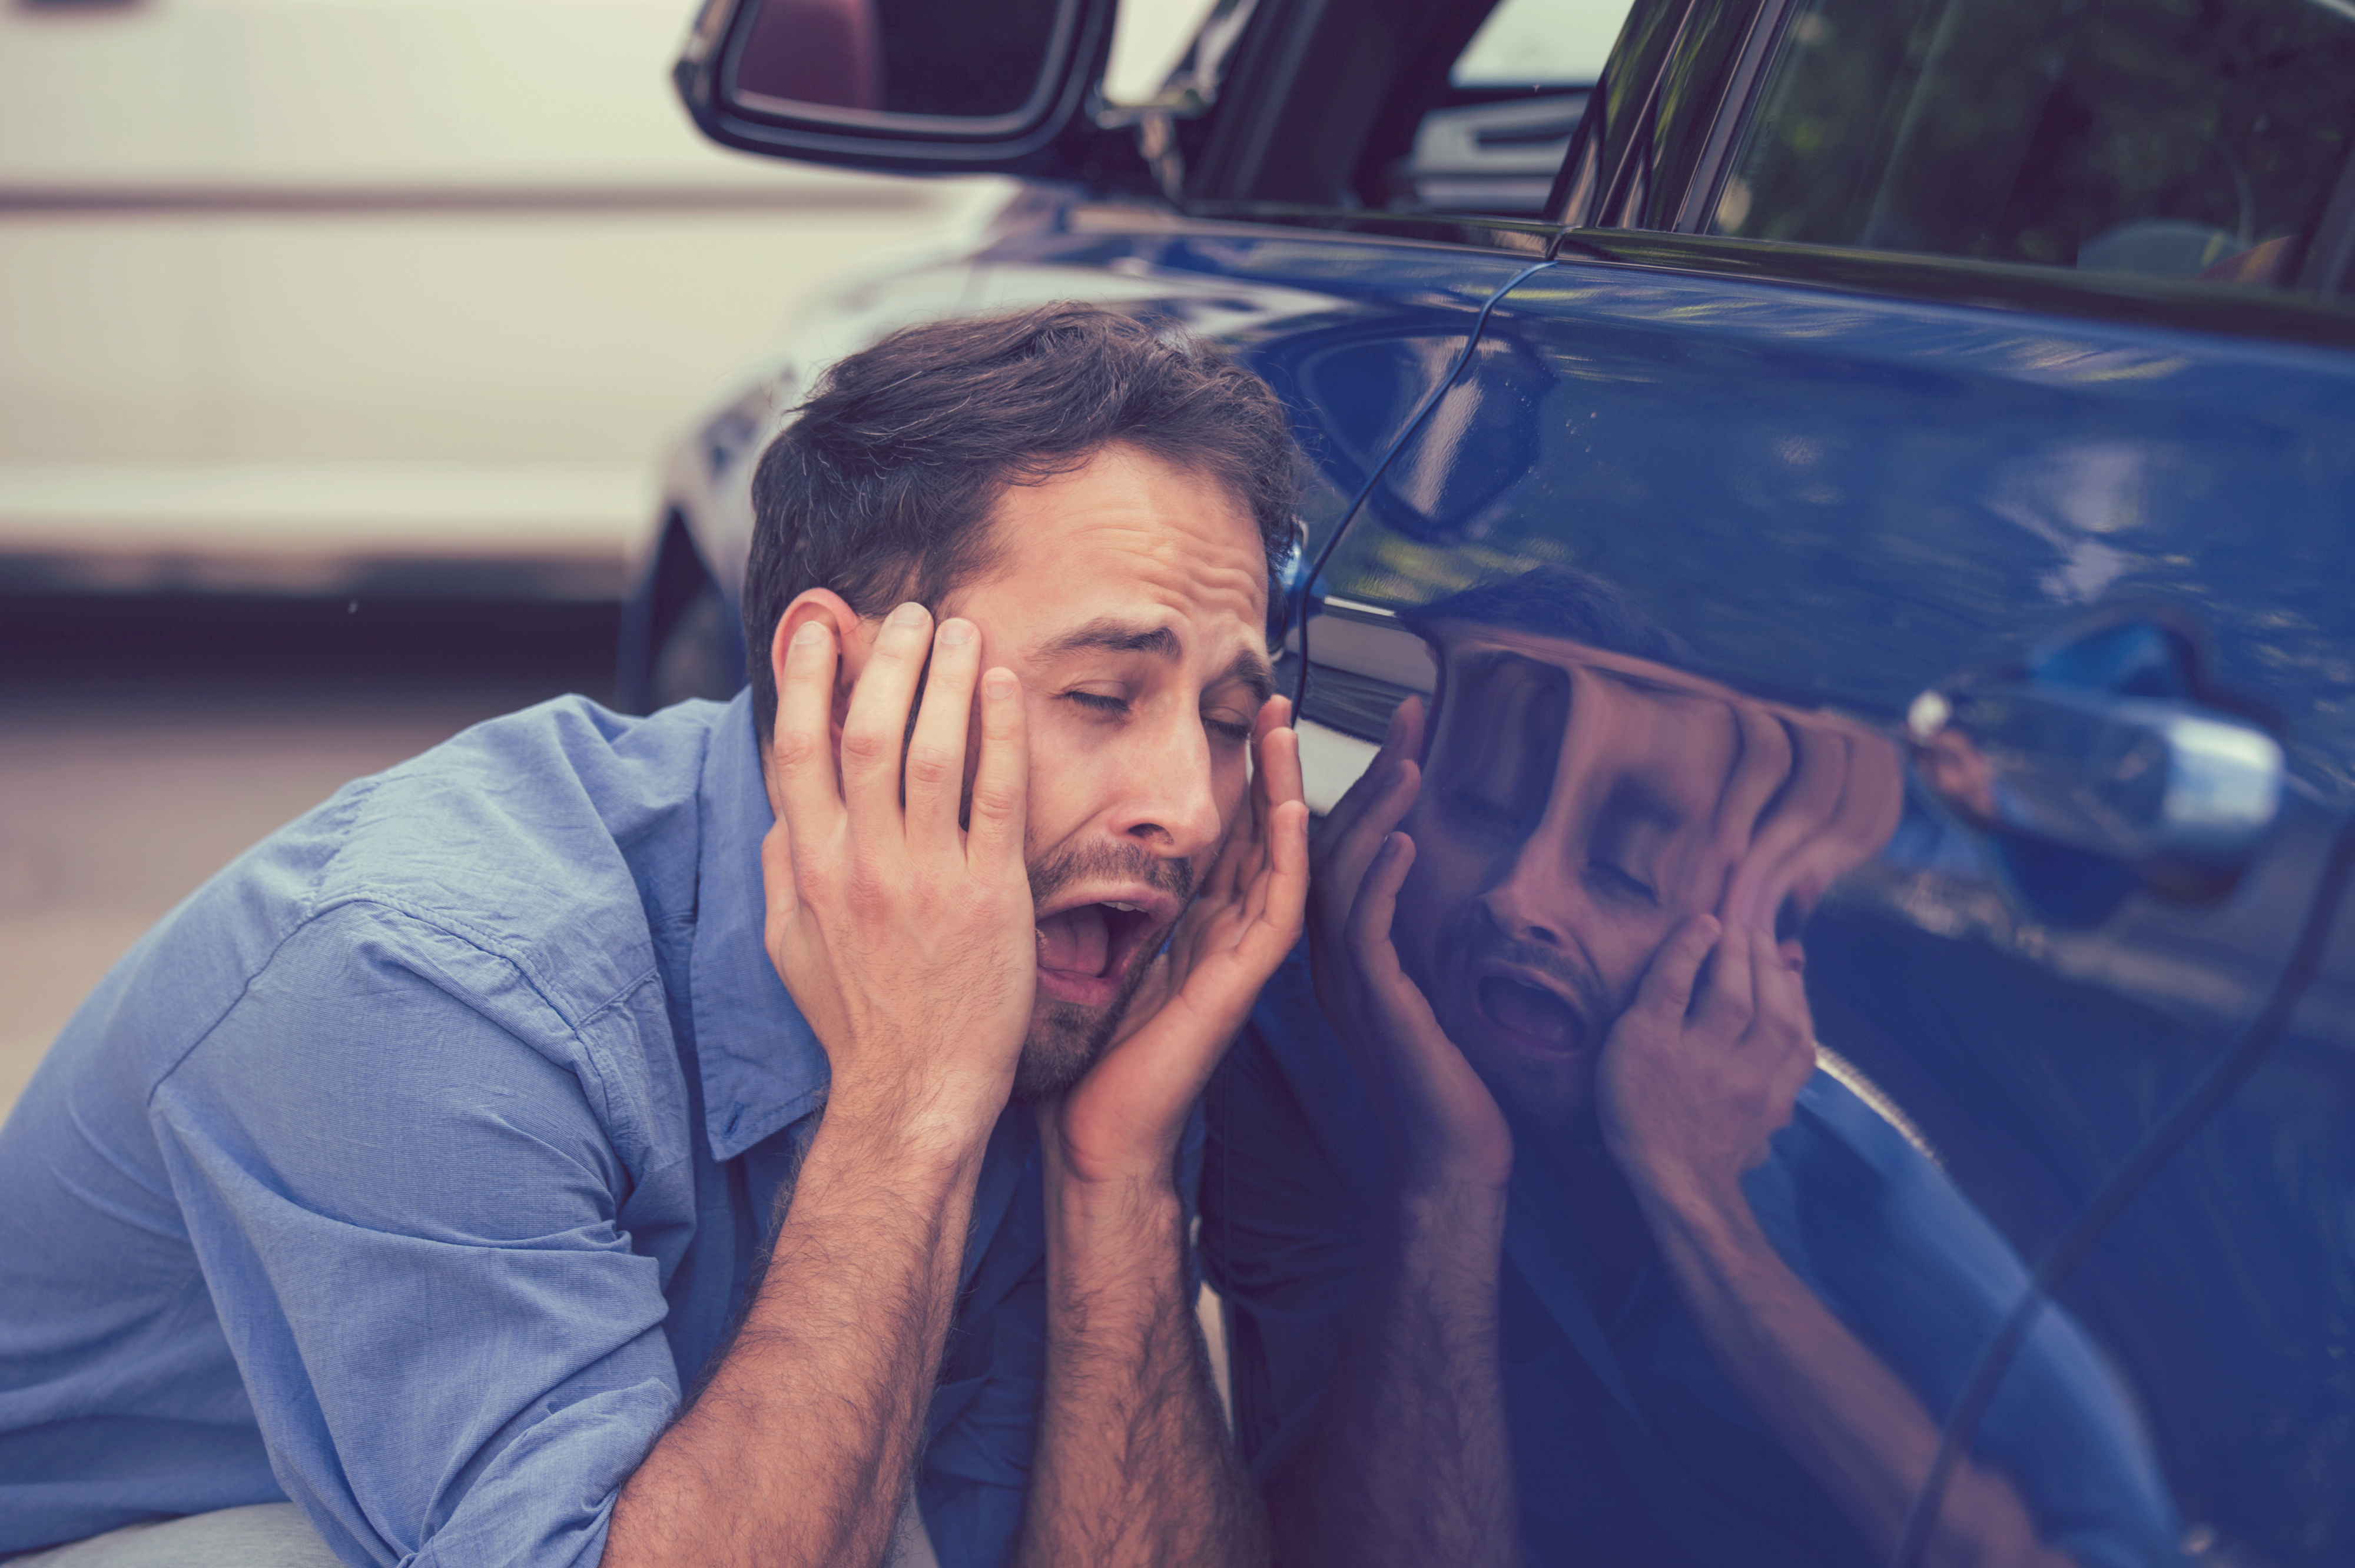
[1490, 137]
[2150, 137]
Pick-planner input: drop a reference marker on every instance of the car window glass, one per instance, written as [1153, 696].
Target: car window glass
[1490, 138]
[1150, 40]
[2150, 137]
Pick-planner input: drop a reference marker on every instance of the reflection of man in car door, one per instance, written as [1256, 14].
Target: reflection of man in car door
[1549, 1240]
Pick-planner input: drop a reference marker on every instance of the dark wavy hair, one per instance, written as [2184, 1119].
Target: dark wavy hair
[882, 487]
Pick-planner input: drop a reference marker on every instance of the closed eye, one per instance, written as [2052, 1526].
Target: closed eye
[1097, 702]
[1617, 880]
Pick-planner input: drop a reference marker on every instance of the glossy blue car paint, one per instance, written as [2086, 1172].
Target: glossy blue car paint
[1840, 502]
[1354, 334]
[1846, 498]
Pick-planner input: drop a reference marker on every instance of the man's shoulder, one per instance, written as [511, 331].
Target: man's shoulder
[521, 823]
[546, 843]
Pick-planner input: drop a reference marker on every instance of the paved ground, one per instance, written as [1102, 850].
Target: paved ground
[144, 742]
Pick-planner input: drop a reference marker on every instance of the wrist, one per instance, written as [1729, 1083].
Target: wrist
[1456, 1229]
[1695, 1212]
[1119, 1248]
[1095, 1211]
[1466, 1176]
[914, 1129]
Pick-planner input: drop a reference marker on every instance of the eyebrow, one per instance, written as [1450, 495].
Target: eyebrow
[1108, 635]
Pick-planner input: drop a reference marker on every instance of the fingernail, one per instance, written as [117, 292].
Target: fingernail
[998, 684]
[955, 633]
[909, 614]
[811, 632]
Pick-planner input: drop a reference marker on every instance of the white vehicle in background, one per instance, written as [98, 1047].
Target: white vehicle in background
[320, 296]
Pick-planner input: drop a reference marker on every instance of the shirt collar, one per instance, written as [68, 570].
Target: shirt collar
[762, 1066]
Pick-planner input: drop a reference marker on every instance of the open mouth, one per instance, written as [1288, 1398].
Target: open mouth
[1085, 951]
[1530, 1014]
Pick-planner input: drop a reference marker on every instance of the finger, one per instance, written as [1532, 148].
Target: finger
[875, 734]
[1809, 804]
[782, 896]
[801, 748]
[1369, 926]
[1761, 765]
[1279, 773]
[1870, 798]
[1242, 852]
[1277, 897]
[1667, 991]
[1373, 954]
[1277, 753]
[1238, 856]
[1224, 883]
[1403, 742]
[1729, 994]
[1286, 882]
[1789, 1027]
[1781, 996]
[1339, 859]
[1001, 782]
[935, 771]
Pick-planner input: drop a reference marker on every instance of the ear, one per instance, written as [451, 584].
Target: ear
[853, 637]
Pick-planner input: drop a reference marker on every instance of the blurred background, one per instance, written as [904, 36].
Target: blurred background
[339, 343]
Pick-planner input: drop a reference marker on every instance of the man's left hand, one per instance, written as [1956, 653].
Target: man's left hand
[1692, 1086]
[1120, 1123]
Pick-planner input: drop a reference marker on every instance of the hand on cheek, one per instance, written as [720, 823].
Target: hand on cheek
[1701, 1070]
[1122, 1122]
[899, 904]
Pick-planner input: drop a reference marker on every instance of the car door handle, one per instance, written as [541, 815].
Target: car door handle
[2179, 791]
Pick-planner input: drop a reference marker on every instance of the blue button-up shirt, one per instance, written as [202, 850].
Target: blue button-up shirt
[1630, 1445]
[412, 1167]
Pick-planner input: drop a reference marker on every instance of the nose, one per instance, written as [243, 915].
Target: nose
[1538, 898]
[1169, 800]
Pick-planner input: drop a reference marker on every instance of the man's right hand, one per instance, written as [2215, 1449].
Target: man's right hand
[1444, 1127]
[901, 924]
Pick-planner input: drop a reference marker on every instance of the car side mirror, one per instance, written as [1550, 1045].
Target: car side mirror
[916, 86]
[2102, 766]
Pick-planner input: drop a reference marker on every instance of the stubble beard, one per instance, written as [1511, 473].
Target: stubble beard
[1067, 1039]
[1555, 1100]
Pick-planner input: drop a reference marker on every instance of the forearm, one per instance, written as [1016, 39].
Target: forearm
[1134, 1464]
[1840, 1412]
[798, 1448]
[1410, 1461]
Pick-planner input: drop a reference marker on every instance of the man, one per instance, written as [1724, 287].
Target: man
[649, 1141]
[1545, 1238]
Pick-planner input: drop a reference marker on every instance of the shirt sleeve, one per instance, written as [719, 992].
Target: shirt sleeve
[1896, 1251]
[398, 1168]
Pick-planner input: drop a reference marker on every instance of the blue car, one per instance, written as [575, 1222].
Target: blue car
[1934, 419]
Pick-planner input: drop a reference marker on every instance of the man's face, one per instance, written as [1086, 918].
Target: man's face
[1577, 809]
[1130, 597]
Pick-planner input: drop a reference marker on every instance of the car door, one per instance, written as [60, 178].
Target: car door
[1811, 389]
